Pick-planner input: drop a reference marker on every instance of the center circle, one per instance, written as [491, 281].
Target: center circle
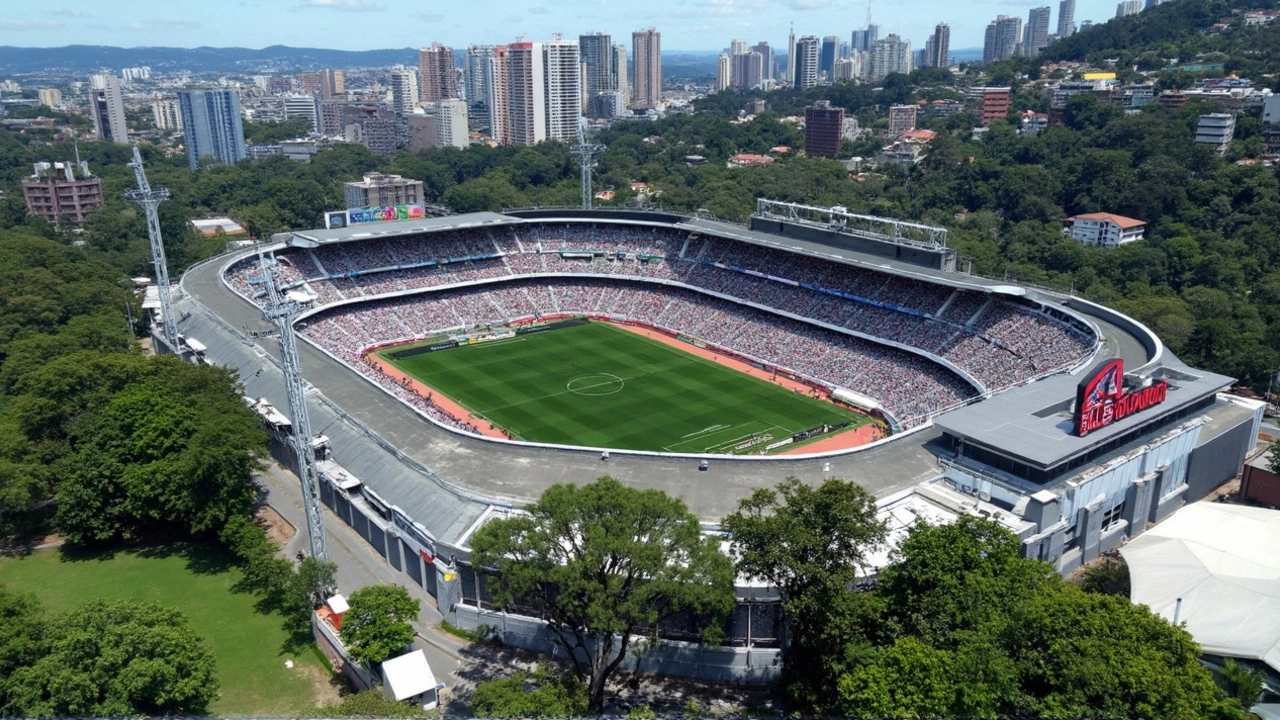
[596, 385]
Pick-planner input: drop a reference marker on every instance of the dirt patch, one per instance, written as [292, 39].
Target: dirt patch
[328, 686]
[279, 530]
[22, 546]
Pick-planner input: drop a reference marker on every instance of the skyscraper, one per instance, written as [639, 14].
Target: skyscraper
[747, 71]
[404, 90]
[791, 56]
[890, 55]
[620, 69]
[106, 104]
[1066, 18]
[327, 84]
[827, 56]
[939, 47]
[598, 75]
[451, 123]
[437, 74]
[476, 76]
[563, 78]
[865, 39]
[1002, 38]
[1129, 7]
[766, 53]
[526, 93]
[1036, 36]
[737, 47]
[807, 51]
[724, 72]
[823, 129]
[646, 50]
[211, 125]
[497, 103]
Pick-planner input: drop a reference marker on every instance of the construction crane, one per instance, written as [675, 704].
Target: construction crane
[150, 198]
[281, 309]
[586, 153]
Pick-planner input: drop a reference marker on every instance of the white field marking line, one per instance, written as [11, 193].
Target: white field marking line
[706, 430]
[711, 448]
[610, 380]
[731, 443]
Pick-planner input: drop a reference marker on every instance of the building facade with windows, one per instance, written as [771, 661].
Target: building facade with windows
[378, 190]
[1105, 229]
[212, 126]
[62, 193]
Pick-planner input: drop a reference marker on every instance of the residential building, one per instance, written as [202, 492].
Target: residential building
[938, 48]
[806, 64]
[451, 123]
[724, 72]
[791, 56]
[497, 102]
[133, 74]
[747, 72]
[1036, 35]
[437, 73]
[167, 114]
[865, 39]
[378, 190]
[993, 103]
[328, 84]
[646, 51]
[404, 90]
[211, 126]
[1129, 7]
[1105, 229]
[56, 194]
[620, 68]
[846, 69]
[50, 97]
[383, 132]
[526, 93]
[302, 106]
[1066, 18]
[424, 131]
[827, 57]
[106, 105]
[1033, 123]
[598, 75]
[823, 129]
[1001, 40]
[737, 47]
[1216, 129]
[767, 58]
[333, 117]
[902, 120]
[609, 105]
[476, 77]
[1271, 110]
[563, 78]
[890, 55]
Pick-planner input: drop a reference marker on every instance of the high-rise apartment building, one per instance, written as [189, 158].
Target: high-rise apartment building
[1129, 7]
[563, 78]
[378, 190]
[993, 103]
[823, 129]
[437, 73]
[211, 126]
[646, 53]
[938, 48]
[1066, 18]
[767, 57]
[167, 114]
[303, 106]
[806, 65]
[497, 103]
[620, 69]
[50, 97]
[598, 74]
[791, 56]
[1002, 38]
[902, 120]
[106, 105]
[890, 55]
[57, 195]
[1036, 36]
[737, 47]
[476, 76]
[865, 39]
[724, 72]
[404, 90]
[451, 123]
[526, 93]
[747, 72]
[328, 84]
[828, 55]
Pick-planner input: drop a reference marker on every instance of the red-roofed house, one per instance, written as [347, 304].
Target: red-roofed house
[1105, 229]
[747, 159]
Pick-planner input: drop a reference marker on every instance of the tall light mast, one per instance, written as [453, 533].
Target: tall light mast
[281, 310]
[150, 198]
[586, 153]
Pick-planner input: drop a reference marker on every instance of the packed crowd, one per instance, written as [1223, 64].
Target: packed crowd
[998, 342]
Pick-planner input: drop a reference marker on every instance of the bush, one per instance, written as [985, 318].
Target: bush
[368, 704]
[540, 694]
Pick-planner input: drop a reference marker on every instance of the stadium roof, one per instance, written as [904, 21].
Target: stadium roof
[1034, 423]
[396, 228]
[1221, 561]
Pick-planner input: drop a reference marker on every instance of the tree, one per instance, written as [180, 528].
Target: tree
[542, 694]
[121, 658]
[812, 544]
[602, 563]
[1241, 682]
[379, 623]
[1108, 576]
[22, 628]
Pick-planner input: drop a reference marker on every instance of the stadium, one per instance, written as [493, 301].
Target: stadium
[457, 366]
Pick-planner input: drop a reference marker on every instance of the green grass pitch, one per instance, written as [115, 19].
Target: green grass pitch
[602, 386]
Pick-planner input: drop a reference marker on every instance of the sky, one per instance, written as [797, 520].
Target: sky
[373, 24]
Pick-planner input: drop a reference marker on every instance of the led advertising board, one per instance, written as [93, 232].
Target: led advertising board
[1102, 400]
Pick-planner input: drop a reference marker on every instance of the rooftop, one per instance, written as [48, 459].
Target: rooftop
[1122, 221]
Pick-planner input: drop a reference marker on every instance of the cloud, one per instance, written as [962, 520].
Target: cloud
[344, 5]
[538, 10]
[7, 24]
[154, 24]
[729, 7]
[63, 12]
[810, 4]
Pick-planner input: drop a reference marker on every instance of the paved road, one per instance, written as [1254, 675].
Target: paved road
[359, 565]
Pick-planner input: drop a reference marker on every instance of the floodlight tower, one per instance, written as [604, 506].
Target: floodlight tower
[281, 310]
[150, 198]
[586, 153]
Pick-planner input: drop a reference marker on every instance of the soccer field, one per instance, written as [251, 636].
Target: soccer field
[602, 386]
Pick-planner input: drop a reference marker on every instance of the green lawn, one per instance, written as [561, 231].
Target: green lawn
[249, 646]
[602, 386]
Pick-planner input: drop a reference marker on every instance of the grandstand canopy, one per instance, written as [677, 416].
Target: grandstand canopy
[1221, 560]
[397, 228]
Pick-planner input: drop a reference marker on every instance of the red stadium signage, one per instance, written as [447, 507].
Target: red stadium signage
[1101, 399]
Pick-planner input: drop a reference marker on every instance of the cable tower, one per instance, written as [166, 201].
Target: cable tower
[586, 153]
[150, 200]
[281, 310]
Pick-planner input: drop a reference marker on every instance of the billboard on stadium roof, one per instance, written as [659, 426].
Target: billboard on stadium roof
[386, 213]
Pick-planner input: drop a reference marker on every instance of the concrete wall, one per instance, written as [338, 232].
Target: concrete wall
[937, 260]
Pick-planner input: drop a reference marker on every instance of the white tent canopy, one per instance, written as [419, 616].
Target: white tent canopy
[1224, 562]
[408, 675]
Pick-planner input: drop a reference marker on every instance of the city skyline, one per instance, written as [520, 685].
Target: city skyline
[700, 25]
